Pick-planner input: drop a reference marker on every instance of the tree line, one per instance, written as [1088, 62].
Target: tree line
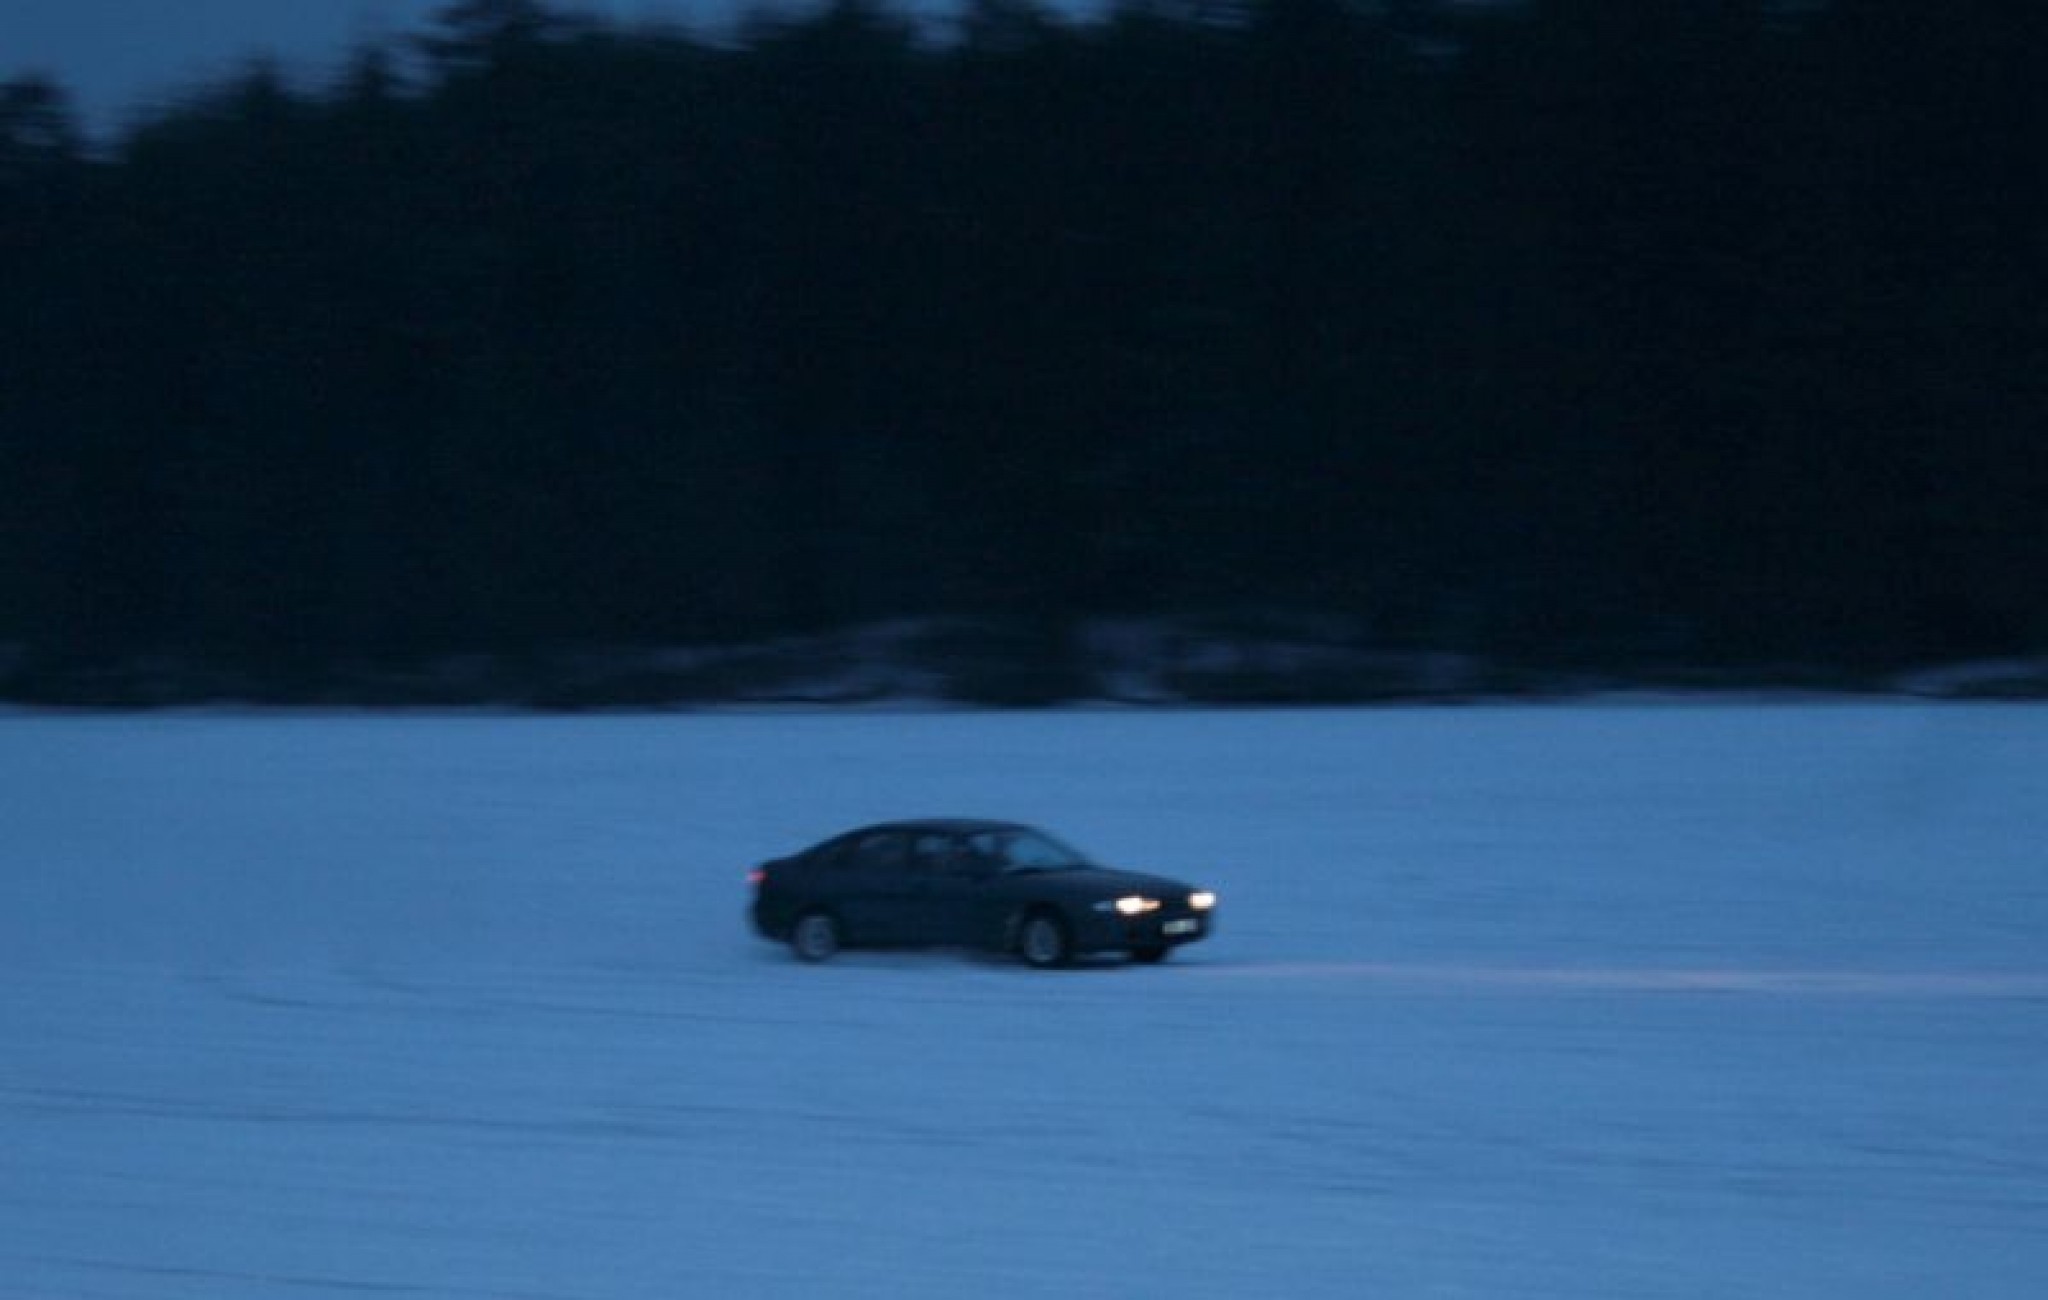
[1636, 335]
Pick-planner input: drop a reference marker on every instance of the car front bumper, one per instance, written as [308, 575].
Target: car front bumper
[1110, 933]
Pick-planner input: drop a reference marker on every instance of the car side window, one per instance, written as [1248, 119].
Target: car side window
[986, 846]
[840, 854]
[883, 851]
[829, 857]
[936, 852]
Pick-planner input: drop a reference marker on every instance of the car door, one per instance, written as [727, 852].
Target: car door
[951, 885]
[873, 885]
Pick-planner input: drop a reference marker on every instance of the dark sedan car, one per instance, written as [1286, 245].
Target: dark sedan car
[972, 884]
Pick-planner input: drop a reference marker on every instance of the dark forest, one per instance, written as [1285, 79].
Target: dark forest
[1649, 340]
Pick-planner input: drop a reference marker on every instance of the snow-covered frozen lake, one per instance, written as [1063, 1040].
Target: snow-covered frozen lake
[1599, 1001]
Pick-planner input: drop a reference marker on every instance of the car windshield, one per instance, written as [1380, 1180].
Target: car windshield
[1025, 850]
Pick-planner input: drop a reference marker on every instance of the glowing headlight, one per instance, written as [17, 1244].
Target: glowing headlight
[1202, 900]
[1135, 905]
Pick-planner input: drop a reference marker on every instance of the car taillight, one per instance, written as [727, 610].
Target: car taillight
[757, 877]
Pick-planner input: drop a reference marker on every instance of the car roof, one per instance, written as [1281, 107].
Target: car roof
[950, 825]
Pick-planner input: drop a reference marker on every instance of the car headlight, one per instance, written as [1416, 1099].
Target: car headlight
[1129, 905]
[1202, 900]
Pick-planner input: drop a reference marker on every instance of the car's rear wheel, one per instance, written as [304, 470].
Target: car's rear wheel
[815, 937]
[1151, 954]
[1042, 941]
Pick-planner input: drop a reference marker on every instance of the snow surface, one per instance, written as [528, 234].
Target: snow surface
[1613, 1001]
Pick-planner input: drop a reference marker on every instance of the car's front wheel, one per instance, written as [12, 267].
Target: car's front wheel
[1042, 941]
[815, 937]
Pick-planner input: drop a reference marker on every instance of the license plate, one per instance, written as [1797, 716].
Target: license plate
[1188, 925]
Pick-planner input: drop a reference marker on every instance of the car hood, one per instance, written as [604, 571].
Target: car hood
[1099, 882]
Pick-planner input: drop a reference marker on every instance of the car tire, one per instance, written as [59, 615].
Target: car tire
[1042, 941]
[1151, 954]
[815, 937]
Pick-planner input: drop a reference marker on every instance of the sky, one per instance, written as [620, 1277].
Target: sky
[118, 56]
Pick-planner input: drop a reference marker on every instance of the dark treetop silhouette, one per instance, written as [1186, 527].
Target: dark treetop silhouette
[1610, 334]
